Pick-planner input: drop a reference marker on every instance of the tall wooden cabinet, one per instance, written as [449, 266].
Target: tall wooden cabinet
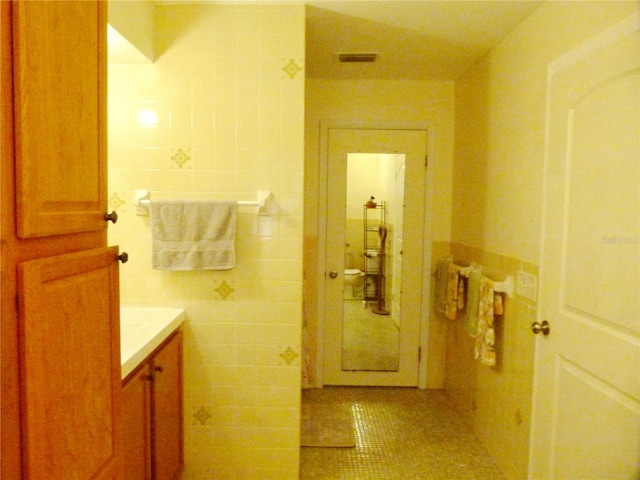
[60, 306]
[67, 354]
[59, 85]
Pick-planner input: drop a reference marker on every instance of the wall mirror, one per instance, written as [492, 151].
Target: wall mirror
[373, 262]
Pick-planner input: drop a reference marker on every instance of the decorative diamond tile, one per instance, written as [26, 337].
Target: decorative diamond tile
[115, 202]
[289, 355]
[224, 290]
[180, 157]
[292, 68]
[202, 415]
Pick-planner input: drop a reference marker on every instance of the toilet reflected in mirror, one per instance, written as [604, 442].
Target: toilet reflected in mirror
[353, 284]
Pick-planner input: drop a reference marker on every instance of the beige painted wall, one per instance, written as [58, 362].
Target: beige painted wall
[496, 214]
[385, 100]
[499, 149]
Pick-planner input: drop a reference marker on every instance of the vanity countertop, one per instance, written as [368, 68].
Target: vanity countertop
[142, 330]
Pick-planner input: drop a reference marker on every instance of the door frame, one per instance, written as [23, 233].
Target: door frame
[325, 126]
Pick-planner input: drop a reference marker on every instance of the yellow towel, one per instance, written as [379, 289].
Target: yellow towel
[441, 284]
[485, 349]
[461, 292]
[473, 302]
[498, 304]
[453, 286]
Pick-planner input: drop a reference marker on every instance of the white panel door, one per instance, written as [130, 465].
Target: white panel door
[586, 419]
[413, 144]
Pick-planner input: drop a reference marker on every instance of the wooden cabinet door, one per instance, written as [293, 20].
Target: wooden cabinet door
[136, 424]
[70, 365]
[167, 410]
[59, 71]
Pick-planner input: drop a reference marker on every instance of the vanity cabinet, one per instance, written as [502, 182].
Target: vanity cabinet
[152, 413]
[136, 420]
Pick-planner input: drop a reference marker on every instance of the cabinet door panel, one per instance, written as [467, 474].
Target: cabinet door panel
[136, 425]
[60, 91]
[167, 414]
[70, 365]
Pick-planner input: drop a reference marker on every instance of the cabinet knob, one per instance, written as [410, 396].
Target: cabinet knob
[111, 217]
[123, 257]
[149, 378]
[158, 369]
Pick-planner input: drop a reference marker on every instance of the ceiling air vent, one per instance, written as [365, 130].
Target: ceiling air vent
[357, 57]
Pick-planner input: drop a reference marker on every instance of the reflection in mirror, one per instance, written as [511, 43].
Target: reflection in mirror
[373, 262]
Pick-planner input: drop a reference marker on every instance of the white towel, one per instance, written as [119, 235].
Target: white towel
[193, 235]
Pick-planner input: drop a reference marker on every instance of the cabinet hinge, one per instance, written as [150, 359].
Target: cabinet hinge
[419, 354]
[17, 302]
[426, 160]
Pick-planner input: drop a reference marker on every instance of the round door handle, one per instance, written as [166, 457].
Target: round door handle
[111, 217]
[543, 328]
[333, 274]
[123, 257]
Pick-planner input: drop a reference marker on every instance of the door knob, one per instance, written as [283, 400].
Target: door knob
[123, 257]
[333, 274]
[540, 328]
[111, 217]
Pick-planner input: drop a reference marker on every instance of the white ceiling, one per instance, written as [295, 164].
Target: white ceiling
[419, 39]
[416, 39]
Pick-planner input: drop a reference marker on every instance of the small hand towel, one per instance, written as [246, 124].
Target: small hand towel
[453, 285]
[193, 235]
[498, 304]
[485, 349]
[461, 292]
[442, 275]
[473, 301]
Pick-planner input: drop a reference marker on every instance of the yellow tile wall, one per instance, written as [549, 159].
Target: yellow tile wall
[228, 92]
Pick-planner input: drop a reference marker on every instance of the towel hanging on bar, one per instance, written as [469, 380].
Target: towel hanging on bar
[193, 235]
[485, 349]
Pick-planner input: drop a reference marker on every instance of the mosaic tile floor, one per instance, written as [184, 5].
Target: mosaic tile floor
[401, 433]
